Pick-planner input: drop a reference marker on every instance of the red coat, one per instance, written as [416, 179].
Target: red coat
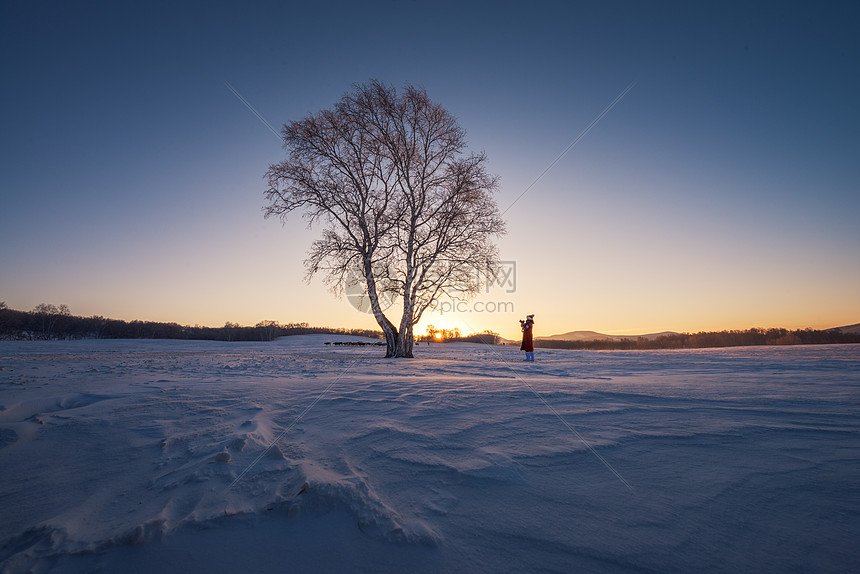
[528, 337]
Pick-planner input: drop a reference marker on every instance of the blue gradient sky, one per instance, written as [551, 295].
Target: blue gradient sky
[721, 192]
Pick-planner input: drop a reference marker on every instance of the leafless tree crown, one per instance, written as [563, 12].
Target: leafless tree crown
[401, 200]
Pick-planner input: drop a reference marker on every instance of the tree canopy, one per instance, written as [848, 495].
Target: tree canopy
[403, 205]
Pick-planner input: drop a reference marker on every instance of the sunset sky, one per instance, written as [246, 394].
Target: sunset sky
[722, 191]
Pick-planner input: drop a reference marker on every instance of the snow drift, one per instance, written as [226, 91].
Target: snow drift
[196, 456]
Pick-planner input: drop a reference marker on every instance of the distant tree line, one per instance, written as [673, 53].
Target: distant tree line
[710, 339]
[485, 337]
[51, 322]
[435, 335]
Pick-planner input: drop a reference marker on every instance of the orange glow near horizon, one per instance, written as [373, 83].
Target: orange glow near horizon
[682, 208]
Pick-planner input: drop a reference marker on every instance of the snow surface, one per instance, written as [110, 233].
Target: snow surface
[172, 456]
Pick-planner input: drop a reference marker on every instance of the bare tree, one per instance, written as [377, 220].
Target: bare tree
[48, 315]
[403, 205]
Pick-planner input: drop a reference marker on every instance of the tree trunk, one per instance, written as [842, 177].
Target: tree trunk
[405, 341]
[390, 338]
[389, 331]
[404, 336]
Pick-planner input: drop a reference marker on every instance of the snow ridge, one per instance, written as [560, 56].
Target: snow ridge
[110, 451]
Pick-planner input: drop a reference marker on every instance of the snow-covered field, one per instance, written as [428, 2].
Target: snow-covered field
[169, 456]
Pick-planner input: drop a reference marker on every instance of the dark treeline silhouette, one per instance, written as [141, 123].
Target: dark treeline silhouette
[50, 322]
[701, 340]
[486, 337]
[435, 335]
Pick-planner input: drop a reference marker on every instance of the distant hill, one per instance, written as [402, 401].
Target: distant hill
[584, 336]
[848, 329]
[595, 336]
[579, 336]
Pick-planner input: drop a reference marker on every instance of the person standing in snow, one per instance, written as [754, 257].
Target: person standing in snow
[528, 338]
